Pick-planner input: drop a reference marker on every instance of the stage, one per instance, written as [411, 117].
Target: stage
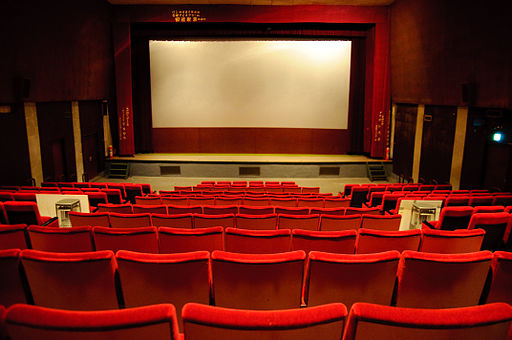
[249, 165]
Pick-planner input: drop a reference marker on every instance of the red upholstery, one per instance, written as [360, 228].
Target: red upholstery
[164, 278]
[208, 323]
[142, 239]
[327, 241]
[283, 202]
[307, 222]
[502, 199]
[149, 322]
[228, 201]
[334, 222]
[328, 211]
[6, 196]
[310, 190]
[347, 189]
[488, 209]
[177, 209]
[257, 241]
[490, 322]
[389, 201]
[258, 281]
[147, 200]
[376, 197]
[96, 198]
[374, 241]
[132, 190]
[11, 284]
[116, 208]
[24, 196]
[451, 241]
[119, 186]
[480, 200]
[430, 280]
[291, 211]
[255, 201]
[201, 201]
[381, 222]
[256, 222]
[113, 195]
[175, 201]
[456, 201]
[358, 196]
[496, 226]
[249, 210]
[76, 281]
[149, 209]
[310, 202]
[13, 237]
[177, 240]
[23, 213]
[61, 240]
[220, 210]
[129, 220]
[205, 221]
[336, 202]
[89, 219]
[185, 221]
[501, 286]
[350, 278]
[452, 218]
[361, 211]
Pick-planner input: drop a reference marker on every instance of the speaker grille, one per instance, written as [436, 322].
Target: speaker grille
[249, 171]
[170, 170]
[329, 171]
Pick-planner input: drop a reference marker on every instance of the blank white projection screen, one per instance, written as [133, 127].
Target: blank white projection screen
[270, 84]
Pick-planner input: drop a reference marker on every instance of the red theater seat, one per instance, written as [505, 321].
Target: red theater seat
[258, 281]
[381, 222]
[132, 191]
[220, 210]
[374, 241]
[328, 211]
[178, 240]
[256, 222]
[12, 283]
[452, 218]
[255, 201]
[13, 237]
[125, 208]
[490, 322]
[336, 202]
[61, 240]
[177, 209]
[306, 222]
[334, 222]
[156, 322]
[148, 200]
[96, 198]
[361, 211]
[291, 210]
[149, 209]
[350, 278]
[310, 202]
[497, 228]
[142, 239]
[326, 241]
[129, 220]
[260, 210]
[75, 281]
[174, 221]
[202, 322]
[175, 201]
[257, 241]
[79, 219]
[283, 202]
[430, 280]
[164, 278]
[451, 241]
[205, 221]
[501, 286]
[23, 213]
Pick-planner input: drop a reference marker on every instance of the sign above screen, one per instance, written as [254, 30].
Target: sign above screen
[250, 83]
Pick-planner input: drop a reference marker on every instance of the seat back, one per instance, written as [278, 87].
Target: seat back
[145, 278]
[149, 209]
[335, 222]
[306, 222]
[116, 208]
[361, 211]
[205, 221]
[451, 241]
[148, 322]
[258, 281]
[471, 323]
[79, 219]
[178, 240]
[13, 237]
[129, 220]
[202, 322]
[350, 278]
[326, 241]
[185, 221]
[328, 211]
[452, 218]
[178, 209]
[256, 222]
[283, 202]
[336, 202]
[176, 201]
[381, 222]
[22, 213]
[61, 240]
[358, 196]
[220, 209]
[430, 280]
[257, 241]
[132, 191]
[12, 283]
[75, 281]
[113, 195]
[256, 210]
[374, 241]
[142, 239]
[495, 226]
[148, 200]
[500, 288]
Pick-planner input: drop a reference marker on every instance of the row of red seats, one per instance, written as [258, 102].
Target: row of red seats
[87, 281]
[203, 322]
[176, 240]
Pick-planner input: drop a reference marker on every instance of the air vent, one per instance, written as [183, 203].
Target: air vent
[172, 170]
[249, 171]
[329, 171]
